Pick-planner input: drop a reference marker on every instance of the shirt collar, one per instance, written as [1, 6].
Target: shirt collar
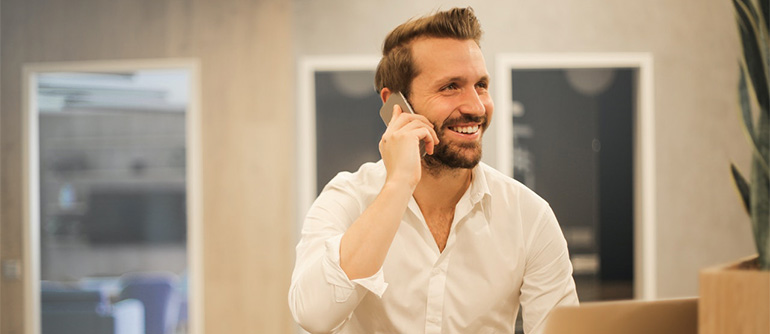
[477, 193]
[479, 189]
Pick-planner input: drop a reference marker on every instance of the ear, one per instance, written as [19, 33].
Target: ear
[385, 94]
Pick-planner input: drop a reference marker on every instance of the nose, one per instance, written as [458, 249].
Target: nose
[472, 103]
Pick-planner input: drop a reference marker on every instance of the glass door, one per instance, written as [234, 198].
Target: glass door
[111, 198]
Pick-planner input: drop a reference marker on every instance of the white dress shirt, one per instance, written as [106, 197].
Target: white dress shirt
[505, 247]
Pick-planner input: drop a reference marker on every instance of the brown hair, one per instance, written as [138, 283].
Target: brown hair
[396, 68]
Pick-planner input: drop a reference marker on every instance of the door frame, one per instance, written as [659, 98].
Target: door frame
[30, 170]
[306, 122]
[645, 269]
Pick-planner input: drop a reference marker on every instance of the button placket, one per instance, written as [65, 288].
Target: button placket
[436, 287]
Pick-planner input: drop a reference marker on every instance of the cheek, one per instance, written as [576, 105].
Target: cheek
[490, 108]
[440, 111]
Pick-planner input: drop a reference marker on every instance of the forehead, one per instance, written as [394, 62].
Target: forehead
[438, 58]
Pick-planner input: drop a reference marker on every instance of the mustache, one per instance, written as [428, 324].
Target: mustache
[463, 118]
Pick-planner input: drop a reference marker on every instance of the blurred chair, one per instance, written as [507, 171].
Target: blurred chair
[72, 311]
[159, 296]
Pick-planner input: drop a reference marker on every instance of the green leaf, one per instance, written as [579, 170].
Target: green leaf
[760, 192]
[764, 7]
[742, 186]
[748, 123]
[760, 212]
[752, 34]
[743, 95]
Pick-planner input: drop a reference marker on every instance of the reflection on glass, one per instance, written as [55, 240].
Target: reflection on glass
[348, 123]
[112, 150]
[573, 145]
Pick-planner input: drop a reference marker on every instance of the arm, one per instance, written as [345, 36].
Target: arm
[338, 261]
[548, 279]
[321, 296]
[367, 241]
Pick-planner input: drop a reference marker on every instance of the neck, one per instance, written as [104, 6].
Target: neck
[449, 183]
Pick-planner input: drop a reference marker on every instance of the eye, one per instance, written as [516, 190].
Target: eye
[451, 86]
[482, 85]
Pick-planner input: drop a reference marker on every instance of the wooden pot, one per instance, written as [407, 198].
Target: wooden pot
[734, 299]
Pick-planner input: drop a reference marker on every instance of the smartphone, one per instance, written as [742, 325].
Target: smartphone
[386, 112]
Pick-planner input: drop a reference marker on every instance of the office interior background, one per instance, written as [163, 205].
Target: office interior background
[235, 147]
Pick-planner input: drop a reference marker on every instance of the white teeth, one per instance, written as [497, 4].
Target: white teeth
[466, 129]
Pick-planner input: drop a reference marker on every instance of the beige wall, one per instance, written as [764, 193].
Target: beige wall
[694, 43]
[245, 52]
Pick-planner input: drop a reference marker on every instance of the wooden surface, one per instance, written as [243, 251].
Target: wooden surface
[734, 301]
[246, 58]
[674, 316]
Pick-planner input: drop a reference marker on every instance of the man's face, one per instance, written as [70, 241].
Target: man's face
[451, 90]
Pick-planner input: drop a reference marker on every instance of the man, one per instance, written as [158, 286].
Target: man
[433, 244]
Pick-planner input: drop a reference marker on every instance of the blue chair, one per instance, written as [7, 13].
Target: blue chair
[73, 311]
[159, 297]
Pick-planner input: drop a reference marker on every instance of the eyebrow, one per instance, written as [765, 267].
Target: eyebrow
[443, 81]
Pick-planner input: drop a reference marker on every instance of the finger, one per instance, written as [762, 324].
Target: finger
[408, 118]
[396, 112]
[430, 139]
[422, 118]
[430, 144]
[397, 129]
[413, 124]
[430, 136]
[424, 133]
[433, 134]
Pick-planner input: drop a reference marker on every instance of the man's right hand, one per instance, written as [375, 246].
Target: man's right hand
[400, 146]
[365, 244]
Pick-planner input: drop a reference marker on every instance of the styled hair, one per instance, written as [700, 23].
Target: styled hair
[396, 68]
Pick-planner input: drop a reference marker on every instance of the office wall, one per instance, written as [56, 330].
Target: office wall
[245, 52]
[695, 47]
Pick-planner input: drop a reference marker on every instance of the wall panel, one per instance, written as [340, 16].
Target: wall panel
[246, 57]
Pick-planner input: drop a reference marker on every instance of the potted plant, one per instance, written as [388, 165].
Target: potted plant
[735, 298]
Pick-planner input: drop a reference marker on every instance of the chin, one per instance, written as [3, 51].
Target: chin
[454, 158]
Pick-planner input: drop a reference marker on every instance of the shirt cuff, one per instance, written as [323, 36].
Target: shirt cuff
[344, 287]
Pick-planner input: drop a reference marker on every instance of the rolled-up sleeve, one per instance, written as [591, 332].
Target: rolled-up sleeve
[321, 296]
[548, 281]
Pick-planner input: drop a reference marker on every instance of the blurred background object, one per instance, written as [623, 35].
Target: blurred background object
[112, 149]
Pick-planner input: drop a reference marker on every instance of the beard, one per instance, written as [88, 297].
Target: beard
[448, 155]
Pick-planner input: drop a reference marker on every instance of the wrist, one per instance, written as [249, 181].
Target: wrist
[398, 185]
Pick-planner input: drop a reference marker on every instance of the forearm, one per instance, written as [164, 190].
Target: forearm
[366, 242]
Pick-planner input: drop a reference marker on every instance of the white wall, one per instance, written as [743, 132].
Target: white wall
[700, 221]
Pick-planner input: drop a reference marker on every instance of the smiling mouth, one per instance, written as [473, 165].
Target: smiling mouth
[468, 130]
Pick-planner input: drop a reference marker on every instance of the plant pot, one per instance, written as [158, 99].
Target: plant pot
[734, 298]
